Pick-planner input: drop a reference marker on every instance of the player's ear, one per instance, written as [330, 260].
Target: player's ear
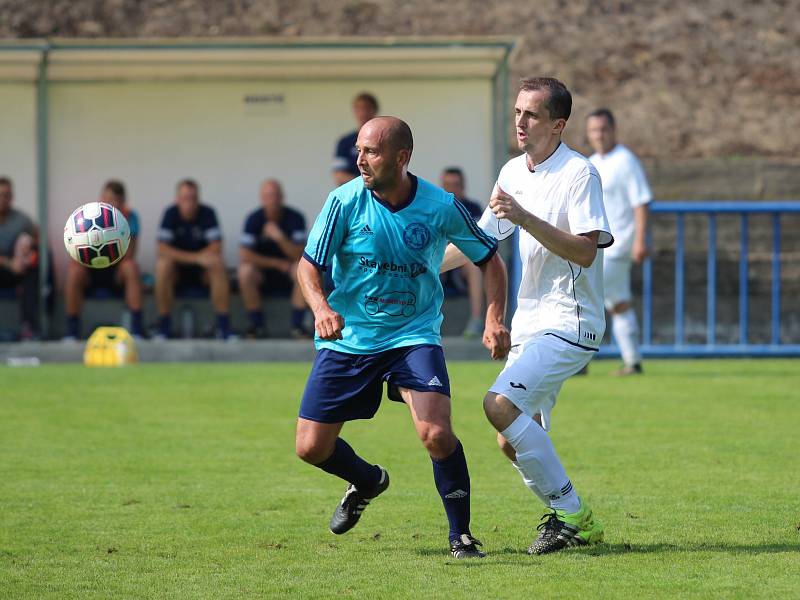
[403, 157]
[559, 126]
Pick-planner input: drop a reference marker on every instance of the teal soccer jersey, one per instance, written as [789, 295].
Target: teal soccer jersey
[386, 262]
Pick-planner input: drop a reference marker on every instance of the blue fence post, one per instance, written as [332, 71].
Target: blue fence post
[711, 276]
[775, 338]
[743, 257]
[679, 278]
[647, 294]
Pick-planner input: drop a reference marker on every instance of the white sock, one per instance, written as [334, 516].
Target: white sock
[626, 334]
[531, 484]
[539, 463]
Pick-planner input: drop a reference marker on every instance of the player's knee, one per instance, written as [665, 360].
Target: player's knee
[491, 405]
[499, 410]
[438, 440]
[311, 451]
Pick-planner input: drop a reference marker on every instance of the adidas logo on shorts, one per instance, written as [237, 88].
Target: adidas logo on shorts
[435, 381]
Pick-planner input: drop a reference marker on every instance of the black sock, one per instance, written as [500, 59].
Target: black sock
[165, 325]
[452, 480]
[73, 326]
[136, 323]
[256, 318]
[345, 463]
[224, 324]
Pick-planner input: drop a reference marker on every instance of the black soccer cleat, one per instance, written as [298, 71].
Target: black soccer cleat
[349, 510]
[554, 534]
[563, 529]
[466, 546]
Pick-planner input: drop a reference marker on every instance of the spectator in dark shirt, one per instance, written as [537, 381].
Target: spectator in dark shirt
[19, 265]
[124, 275]
[272, 243]
[365, 107]
[453, 181]
[190, 254]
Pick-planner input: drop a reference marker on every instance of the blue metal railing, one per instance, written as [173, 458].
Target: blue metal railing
[679, 347]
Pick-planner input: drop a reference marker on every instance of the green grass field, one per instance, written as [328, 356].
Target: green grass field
[180, 481]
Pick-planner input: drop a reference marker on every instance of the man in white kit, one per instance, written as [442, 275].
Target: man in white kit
[626, 195]
[554, 196]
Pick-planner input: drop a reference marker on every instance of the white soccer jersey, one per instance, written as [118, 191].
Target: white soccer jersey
[624, 188]
[555, 295]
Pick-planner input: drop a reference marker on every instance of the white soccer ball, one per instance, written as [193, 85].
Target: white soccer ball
[97, 235]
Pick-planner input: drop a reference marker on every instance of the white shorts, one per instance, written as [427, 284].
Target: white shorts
[617, 281]
[534, 374]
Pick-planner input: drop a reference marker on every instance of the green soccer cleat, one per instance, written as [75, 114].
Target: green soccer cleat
[563, 529]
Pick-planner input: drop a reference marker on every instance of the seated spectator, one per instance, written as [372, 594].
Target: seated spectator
[124, 276]
[272, 243]
[453, 181]
[19, 265]
[365, 107]
[189, 255]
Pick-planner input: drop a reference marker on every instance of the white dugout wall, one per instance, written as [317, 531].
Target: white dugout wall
[231, 115]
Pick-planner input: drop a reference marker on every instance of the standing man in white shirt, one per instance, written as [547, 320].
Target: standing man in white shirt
[555, 198]
[626, 195]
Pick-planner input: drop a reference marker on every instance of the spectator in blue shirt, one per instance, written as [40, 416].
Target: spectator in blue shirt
[125, 275]
[190, 254]
[453, 181]
[272, 243]
[365, 107]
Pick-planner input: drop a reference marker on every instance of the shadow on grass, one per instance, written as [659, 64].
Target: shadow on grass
[625, 548]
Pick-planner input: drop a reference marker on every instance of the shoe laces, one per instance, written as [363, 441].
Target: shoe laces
[551, 525]
[466, 540]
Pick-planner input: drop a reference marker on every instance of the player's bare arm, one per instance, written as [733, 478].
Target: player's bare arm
[640, 249]
[496, 337]
[453, 259]
[327, 322]
[578, 249]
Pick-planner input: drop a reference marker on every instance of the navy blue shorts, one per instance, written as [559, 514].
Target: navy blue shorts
[344, 387]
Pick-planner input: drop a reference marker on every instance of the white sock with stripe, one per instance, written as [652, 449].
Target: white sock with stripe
[539, 463]
[626, 334]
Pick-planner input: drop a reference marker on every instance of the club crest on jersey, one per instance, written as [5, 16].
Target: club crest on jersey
[416, 236]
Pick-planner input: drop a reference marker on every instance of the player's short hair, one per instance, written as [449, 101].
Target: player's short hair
[188, 182]
[455, 171]
[559, 101]
[603, 112]
[6, 181]
[401, 137]
[116, 187]
[369, 99]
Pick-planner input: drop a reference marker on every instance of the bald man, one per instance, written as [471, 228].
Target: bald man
[271, 244]
[384, 235]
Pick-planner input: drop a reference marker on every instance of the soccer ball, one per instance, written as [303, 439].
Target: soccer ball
[97, 235]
